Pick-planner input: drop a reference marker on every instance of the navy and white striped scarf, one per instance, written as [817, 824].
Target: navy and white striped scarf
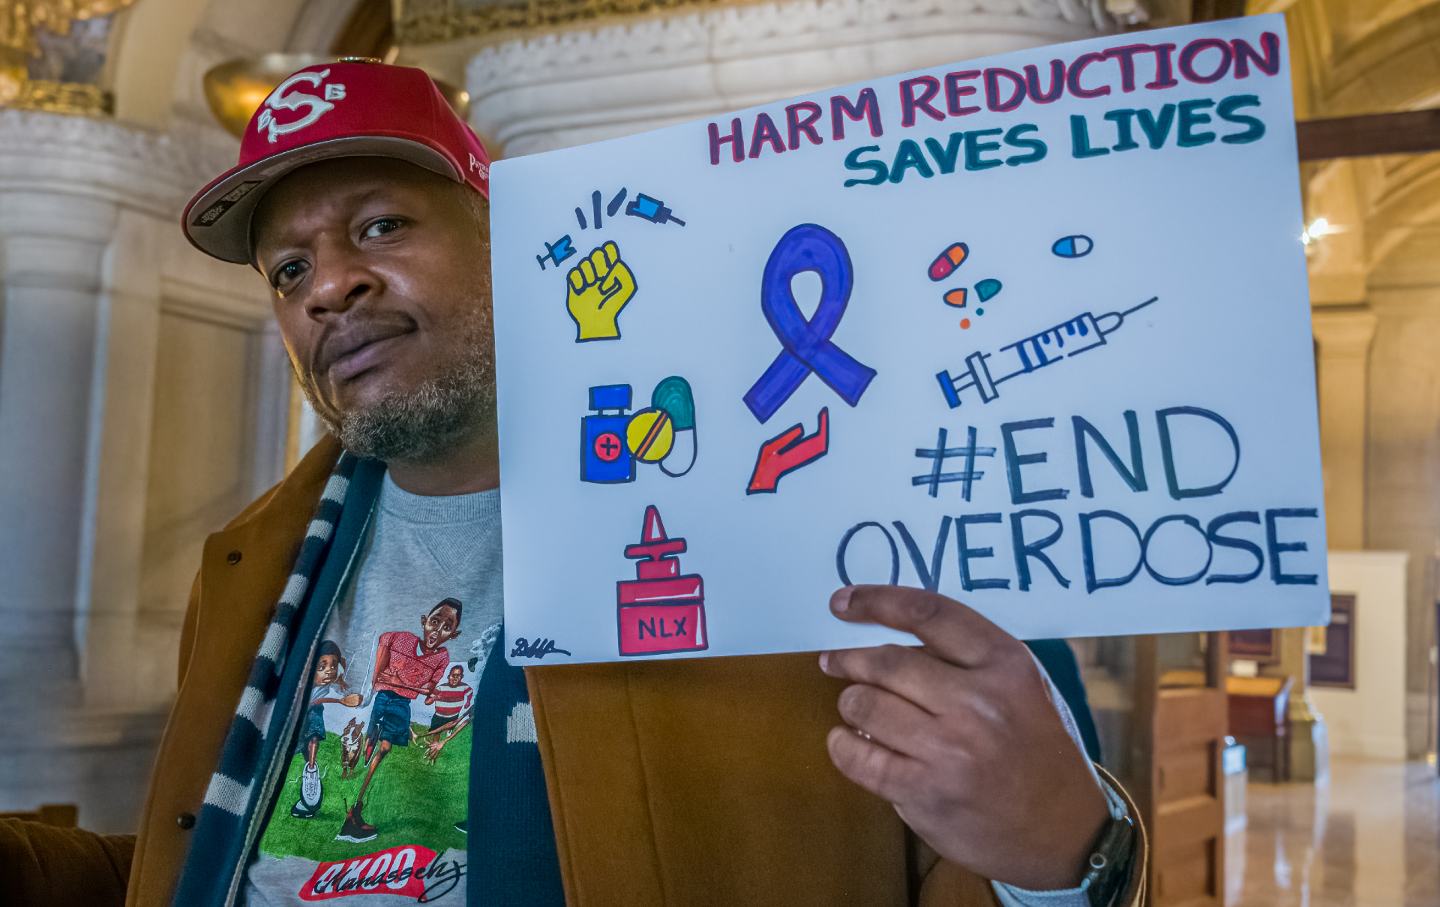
[220, 830]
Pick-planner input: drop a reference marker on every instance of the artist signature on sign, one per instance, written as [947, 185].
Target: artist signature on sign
[524, 648]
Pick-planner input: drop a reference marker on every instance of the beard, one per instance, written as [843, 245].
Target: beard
[423, 423]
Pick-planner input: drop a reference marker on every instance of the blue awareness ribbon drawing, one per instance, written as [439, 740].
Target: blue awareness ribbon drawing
[806, 342]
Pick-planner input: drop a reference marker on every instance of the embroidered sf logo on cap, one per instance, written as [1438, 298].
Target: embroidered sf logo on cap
[287, 97]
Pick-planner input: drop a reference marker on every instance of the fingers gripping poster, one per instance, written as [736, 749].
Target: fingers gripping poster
[1030, 331]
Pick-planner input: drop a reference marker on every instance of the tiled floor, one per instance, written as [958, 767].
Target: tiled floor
[1370, 838]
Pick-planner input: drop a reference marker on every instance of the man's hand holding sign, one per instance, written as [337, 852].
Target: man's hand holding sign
[961, 736]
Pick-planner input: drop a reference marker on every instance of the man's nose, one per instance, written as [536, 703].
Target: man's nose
[340, 280]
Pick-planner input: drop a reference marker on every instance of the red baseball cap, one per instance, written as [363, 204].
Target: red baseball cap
[349, 108]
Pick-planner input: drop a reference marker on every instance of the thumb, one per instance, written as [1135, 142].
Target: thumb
[782, 441]
[618, 289]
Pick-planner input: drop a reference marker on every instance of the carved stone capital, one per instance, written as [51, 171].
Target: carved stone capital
[77, 155]
[537, 93]
[1344, 333]
[419, 22]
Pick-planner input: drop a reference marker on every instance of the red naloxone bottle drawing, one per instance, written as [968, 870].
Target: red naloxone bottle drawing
[660, 610]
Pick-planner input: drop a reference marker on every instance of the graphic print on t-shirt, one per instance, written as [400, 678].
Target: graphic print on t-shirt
[374, 796]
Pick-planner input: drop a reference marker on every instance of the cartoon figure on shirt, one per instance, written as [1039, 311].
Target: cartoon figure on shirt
[452, 700]
[327, 686]
[406, 666]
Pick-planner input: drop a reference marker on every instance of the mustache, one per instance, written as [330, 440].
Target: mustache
[342, 339]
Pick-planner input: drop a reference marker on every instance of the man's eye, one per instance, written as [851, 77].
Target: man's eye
[381, 227]
[287, 274]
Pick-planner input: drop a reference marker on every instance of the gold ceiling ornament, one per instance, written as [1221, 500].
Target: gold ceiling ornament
[434, 21]
[20, 21]
[235, 89]
[12, 75]
[64, 97]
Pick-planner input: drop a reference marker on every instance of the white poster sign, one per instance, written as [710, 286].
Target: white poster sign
[1031, 331]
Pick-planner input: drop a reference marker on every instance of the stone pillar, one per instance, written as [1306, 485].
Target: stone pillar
[50, 254]
[118, 471]
[89, 207]
[1342, 341]
[1401, 501]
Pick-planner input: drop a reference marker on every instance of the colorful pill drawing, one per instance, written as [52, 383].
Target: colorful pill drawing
[987, 288]
[650, 435]
[956, 297]
[1073, 246]
[946, 262]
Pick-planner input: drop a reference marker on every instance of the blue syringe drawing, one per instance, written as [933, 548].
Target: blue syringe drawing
[1080, 334]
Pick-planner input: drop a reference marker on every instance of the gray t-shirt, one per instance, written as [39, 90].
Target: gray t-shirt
[390, 702]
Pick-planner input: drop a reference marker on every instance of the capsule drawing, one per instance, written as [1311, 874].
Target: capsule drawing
[946, 262]
[1076, 245]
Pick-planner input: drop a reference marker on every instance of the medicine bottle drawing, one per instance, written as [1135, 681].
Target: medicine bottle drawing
[604, 456]
[661, 610]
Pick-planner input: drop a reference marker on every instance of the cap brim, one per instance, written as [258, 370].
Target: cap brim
[217, 220]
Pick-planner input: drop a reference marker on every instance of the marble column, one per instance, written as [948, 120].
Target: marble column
[88, 212]
[50, 256]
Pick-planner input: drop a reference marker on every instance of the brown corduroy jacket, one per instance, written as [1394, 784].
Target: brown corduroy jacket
[696, 782]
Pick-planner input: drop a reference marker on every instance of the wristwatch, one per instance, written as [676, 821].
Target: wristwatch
[1109, 865]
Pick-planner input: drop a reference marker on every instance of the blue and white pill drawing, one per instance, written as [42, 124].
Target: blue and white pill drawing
[1076, 245]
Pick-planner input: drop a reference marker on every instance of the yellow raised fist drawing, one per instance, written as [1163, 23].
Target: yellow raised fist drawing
[599, 287]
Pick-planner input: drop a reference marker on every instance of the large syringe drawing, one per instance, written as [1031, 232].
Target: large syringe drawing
[1080, 334]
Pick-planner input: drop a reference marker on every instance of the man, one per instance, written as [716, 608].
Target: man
[879, 776]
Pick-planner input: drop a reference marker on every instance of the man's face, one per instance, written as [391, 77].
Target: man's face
[439, 627]
[455, 676]
[381, 275]
[327, 668]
